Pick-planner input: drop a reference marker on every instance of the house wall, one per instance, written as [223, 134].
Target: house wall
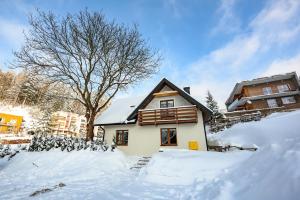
[262, 103]
[178, 101]
[146, 140]
[255, 90]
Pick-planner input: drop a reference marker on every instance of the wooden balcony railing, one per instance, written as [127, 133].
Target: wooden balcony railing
[184, 114]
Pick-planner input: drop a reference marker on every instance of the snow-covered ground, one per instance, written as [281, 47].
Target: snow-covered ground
[272, 172]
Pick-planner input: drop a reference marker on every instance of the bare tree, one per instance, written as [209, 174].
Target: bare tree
[6, 82]
[94, 57]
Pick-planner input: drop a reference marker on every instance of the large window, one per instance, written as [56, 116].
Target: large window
[167, 103]
[168, 137]
[272, 103]
[122, 137]
[283, 88]
[267, 90]
[288, 100]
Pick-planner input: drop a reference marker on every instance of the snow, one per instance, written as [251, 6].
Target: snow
[78, 170]
[183, 167]
[272, 172]
[119, 110]
[274, 129]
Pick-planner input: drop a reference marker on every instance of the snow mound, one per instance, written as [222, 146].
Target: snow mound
[271, 173]
[183, 167]
[273, 129]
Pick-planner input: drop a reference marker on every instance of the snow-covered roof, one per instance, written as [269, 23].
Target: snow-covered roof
[239, 86]
[119, 110]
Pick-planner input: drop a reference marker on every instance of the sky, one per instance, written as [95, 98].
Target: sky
[207, 45]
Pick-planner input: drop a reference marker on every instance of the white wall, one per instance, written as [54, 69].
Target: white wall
[145, 140]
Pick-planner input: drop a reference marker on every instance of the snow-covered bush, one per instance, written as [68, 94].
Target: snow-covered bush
[43, 142]
[7, 150]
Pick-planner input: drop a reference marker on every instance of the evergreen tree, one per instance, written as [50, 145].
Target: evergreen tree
[212, 104]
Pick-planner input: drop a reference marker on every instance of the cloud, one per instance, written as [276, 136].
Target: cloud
[228, 22]
[283, 66]
[275, 27]
[12, 32]
[277, 22]
[177, 8]
[232, 55]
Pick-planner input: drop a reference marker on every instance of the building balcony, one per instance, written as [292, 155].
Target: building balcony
[177, 115]
[240, 102]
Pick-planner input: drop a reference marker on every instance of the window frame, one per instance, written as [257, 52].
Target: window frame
[263, 90]
[288, 88]
[167, 100]
[287, 103]
[268, 100]
[117, 138]
[169, 144]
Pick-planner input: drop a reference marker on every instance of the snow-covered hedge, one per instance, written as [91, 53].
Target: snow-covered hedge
[44, 142]
[9, 151]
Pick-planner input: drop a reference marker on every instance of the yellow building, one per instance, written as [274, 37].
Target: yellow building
[10, 123]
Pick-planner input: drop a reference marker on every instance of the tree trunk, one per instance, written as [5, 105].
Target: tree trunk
[90, 118]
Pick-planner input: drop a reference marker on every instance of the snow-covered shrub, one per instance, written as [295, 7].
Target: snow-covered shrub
[43, 142]
[7, 150]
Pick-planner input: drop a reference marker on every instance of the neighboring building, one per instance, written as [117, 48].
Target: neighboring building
[267, 92]
[10, 123]
[81, 126]
[167, 118]
[67, 123]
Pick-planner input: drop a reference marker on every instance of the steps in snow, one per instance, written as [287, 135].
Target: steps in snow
[142, 162]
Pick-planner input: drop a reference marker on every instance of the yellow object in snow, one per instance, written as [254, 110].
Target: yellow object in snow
[193, 145]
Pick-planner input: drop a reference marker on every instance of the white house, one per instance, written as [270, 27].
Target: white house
[166, 118]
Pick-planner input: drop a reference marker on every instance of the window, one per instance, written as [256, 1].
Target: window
[167, 103]
[288, 100]
[272, 103]
[166, 114]
[283, 88]
[267, 90]
[168, 137]
[122, 137]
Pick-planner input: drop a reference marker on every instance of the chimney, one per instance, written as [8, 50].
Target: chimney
[187, 90]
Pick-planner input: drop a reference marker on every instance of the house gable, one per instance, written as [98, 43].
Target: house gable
[175, 97]
[166, 86]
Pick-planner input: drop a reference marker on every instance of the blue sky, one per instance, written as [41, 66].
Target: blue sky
[207, 45]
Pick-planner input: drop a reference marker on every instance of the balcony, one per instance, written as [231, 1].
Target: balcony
[178, 115]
